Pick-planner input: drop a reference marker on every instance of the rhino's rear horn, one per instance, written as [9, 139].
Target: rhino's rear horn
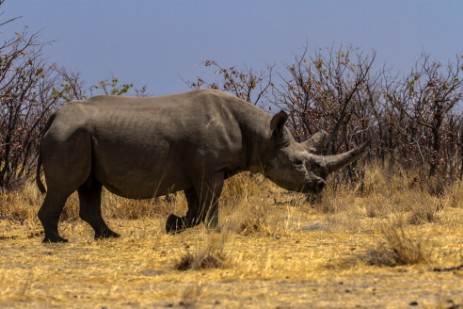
[316, 142]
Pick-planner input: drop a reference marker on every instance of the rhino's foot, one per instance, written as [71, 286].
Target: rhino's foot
[54, 239]
[107, 234]
[175, 224]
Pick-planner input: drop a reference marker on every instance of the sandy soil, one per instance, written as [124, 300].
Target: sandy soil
[298, 264]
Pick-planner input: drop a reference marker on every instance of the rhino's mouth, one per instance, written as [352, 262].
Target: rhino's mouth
[318, 186]
[314, 186]
[311, 186]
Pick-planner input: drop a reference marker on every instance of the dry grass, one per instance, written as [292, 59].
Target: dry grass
[390, 244]
[209, 255]
[399, 248]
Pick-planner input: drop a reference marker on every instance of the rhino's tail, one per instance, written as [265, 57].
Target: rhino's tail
[38, 180]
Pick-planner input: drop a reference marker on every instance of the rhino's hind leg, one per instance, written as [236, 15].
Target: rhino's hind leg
[90, 208]
[49, 215]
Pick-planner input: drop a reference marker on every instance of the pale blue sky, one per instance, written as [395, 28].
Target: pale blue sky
[157, 42]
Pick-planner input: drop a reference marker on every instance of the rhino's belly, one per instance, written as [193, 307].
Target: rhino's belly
[143, 183]
[145, 192]
[133, 169]
[136, 189]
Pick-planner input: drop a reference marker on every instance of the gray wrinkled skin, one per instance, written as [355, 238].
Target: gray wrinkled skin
[140, 148]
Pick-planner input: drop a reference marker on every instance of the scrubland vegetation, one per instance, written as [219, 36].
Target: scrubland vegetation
[387, 231]
[385, 243]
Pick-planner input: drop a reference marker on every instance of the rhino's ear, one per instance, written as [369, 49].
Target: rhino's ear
[278, 121]
[315, 143]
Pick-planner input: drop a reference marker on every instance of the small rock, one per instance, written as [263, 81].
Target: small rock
[413, 303]
[317, 226]
[150, 272]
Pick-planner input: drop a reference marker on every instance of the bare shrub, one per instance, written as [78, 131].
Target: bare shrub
[30, 90]
[246, 85]
[426, 120]
[26, 100]
[413, 120]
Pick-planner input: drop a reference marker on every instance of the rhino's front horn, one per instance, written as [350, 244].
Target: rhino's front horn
[335, 162]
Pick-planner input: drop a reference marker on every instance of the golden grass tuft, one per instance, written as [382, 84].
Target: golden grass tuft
[244, 205]
[191, 296]
[18, 206]
[454, 196]
[208, 256]
[399, 247]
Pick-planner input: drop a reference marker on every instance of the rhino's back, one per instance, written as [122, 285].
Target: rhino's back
[155, 144]
[194, 120]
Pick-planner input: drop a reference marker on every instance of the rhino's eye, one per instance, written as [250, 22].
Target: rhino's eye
[298, 162]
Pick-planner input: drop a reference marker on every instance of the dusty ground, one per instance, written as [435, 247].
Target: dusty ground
[276, 251]
[300, 265]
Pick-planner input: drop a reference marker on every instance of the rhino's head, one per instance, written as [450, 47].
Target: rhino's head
[297, 166]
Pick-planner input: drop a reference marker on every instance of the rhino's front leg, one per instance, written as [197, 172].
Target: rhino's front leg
[209, 201]
[177, 224]
[203, 206]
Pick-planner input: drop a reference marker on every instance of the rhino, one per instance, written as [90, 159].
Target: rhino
[143, 147]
